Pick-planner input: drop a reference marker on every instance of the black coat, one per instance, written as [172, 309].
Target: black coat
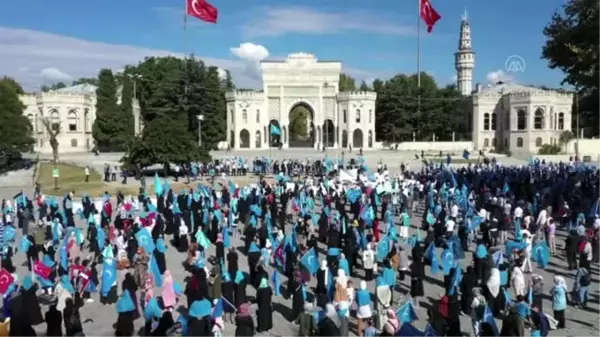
[244, 326]
[53, 322]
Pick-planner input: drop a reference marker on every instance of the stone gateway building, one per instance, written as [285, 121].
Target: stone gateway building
[336, 119]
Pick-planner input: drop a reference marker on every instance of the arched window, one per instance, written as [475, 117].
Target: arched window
[486, 121]
[357, 115]
[493, 121]
[370, 116]
[257, 116]
[538, 141]
[344, 116]
[486, 142]
[72, 120]
[86, 120]
[31, 121]
[561, 121]
[519, 142]
[538, 119]
[521, 120]
[232, 117]
[244, 116]
[55, 120]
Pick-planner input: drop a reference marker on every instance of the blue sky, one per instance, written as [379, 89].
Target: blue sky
[42, 41]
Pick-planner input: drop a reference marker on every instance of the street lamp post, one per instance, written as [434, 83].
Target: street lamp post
[134, 78]
[200, 119]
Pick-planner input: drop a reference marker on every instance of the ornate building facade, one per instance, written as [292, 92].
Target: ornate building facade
[337, 119]
[519, 118]
[73, 111]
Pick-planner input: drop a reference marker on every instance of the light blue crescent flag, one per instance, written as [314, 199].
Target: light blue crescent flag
[488, 317]
[152, 309]
[541, 253]
[158, 186]
[144, 239]
[125, 303]
[155, 271]
[109, 276]
[275, 130]
[406, 313]
[383, 248]
[310, 261]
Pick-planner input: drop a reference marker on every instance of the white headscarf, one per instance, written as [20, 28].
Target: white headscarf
[341, 278]
[493, 283]
[363, 285]
[559, 281]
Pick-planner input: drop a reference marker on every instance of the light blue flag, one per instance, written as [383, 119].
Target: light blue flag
[310, 261]
[275, 130]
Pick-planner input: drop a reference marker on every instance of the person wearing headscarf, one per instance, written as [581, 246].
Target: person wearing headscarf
[477, 309]
[513, 324]
[403, 262]
[30, 303]
[183, 244]
[164, 324]
[323, 282]
[141, 267]
[517, 280]
[417, 274]
[53, 319]
[244, 324]
[298, 295]
[391, 325]
[492, 291]
[363, 302]
[559, 300]
[368, 260]
[240, 288]
[341, 285]
[540, 325]
[343, 310]
[536, 286]
[384, 300]
[130, 285]
[168, 291]
[72, 318]
[330, 324]
[264, 315]
[306, 322]
[215, 281]
[228, 287]
[468, 282]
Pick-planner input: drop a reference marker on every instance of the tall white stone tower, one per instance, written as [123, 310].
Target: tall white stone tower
[464, 59]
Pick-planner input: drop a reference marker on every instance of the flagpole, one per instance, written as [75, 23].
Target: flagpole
[418, 60]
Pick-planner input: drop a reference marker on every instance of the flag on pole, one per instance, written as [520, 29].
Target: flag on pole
[202, 10]
[429, 14]
[275, 130]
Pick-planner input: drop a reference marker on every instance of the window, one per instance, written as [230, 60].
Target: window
[344, 116]
[486, 121]
[357, 115]
[538, 141]
[493, 121]
[86, 120]
[505, 142]
[257, 116]
[521, 120]
[486, 142]
[73, 142]
[506, 122]
[370, 116]
[519, 142]
[538, 119]
[232, 116]
[561, 121]
[244, 116]
[72, 119]
[552, 126]
[494, 142]
[55, 120]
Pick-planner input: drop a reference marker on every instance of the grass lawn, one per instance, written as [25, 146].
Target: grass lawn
[72, 178]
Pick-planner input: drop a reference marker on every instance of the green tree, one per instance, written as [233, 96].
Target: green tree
[377, 85]
[55, 86]
[227, 82]
[114, 123]
[364, 86]
[298, 122]
[172, 94]
[15, 129]
[214, 126]
[399, 113]
[347, 83]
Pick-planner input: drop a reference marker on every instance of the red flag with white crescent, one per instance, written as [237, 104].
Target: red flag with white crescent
[6, 279]
[202, 10]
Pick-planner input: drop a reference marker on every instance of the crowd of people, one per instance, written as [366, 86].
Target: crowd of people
[341, 252]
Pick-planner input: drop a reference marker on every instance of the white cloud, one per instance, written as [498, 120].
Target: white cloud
[494, 77]
[286, 20]
[25, 54]
[53, 75]
[250, 52]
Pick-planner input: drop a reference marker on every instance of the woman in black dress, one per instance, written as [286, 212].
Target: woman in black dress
[265, 309]
[228, 295]
[417, 274]
[240, 288]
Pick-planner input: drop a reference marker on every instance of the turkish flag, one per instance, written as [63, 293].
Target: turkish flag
[42, 270]
[429, 15]
[6, 279]
[202, 10]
